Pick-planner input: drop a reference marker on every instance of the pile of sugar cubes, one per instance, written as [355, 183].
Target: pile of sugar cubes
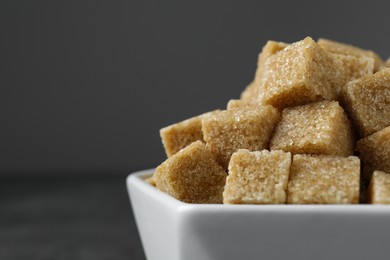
[313, 127]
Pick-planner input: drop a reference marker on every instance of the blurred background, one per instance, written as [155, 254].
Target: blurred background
[86, 86]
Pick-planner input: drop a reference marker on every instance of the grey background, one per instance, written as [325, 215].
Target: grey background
[86, 85]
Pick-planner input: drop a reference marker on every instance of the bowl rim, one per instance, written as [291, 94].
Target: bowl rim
[137, 179]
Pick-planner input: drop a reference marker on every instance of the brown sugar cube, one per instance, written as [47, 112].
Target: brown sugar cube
[258, 177]
[251, 92]
[269, 49]
[379, 189]
[299, 74]
[177, 136]
[354, 67]
[374, 151]
[368, 102]
[248, 128]
[192, 175]
[237, 103]
[323, 179]
[347, 49]
[316, 128]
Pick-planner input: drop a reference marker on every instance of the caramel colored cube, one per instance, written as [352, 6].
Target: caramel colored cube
[192, 175]
[248, 128]
[379, 189]
[177, 136]
[323, 179]
[374, 151]
[299, 74]
[237, 103]
[316, 128]
[258, 177]
[368, 102]
[269, 49]
[251, 92]
[347, 49]
[354, 67]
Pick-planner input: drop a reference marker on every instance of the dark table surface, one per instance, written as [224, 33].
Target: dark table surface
[67, 217]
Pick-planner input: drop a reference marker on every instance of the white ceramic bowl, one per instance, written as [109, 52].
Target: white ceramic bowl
[174, 230]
